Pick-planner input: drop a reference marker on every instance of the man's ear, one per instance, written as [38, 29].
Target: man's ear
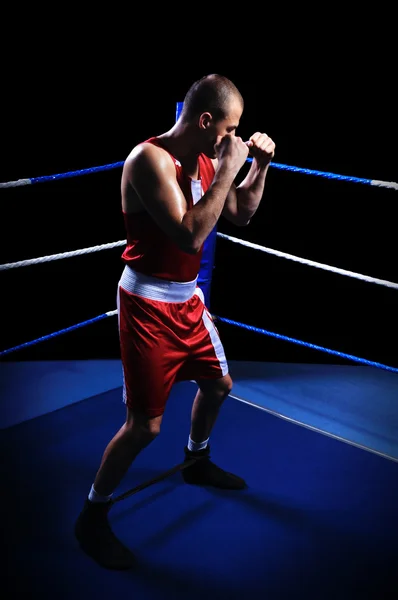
[205, 120]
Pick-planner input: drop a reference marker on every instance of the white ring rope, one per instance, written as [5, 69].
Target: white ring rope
[43, 259]
[311, 263]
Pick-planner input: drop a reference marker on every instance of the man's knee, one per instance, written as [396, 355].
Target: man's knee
[226, 384]
[219, 388]
[143, 427]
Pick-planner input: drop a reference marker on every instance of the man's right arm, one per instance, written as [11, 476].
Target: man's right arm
[151, 173]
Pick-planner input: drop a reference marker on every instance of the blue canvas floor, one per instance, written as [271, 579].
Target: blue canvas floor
[356, 403]
[317, 521]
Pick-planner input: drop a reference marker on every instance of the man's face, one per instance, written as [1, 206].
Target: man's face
[222, 127]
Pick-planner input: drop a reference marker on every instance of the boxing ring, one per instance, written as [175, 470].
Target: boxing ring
[317, 444]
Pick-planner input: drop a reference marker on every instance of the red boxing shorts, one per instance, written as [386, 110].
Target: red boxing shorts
[166, 335]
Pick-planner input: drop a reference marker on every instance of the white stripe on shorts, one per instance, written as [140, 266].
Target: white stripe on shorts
[215, 338]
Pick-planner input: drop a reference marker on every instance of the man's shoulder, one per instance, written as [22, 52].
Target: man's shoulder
[149, 156]
[146, 148]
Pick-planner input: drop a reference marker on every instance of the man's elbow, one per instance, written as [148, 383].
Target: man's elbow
[239, 217]
[239, 220]
[243, 222]
[193, 249]
[189, 244]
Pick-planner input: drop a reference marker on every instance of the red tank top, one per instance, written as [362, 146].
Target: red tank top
[149, 250]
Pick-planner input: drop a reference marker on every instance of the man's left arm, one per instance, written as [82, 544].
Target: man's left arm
[243, 200]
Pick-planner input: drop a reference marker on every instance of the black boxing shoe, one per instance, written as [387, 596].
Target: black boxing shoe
[97, 540]
[204, 472]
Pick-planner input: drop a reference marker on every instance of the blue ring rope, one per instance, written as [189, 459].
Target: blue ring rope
[77, 173]
[308, 345]
[217, 318]
[55, 334]
[116, 165]
[283, 167]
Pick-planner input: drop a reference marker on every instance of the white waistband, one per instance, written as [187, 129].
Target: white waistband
[154, 288]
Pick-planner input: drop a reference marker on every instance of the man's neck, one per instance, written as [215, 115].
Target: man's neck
[178, 141]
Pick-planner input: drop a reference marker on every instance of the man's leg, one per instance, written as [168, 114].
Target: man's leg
[208, 401]
[92, 528]
[136, 433]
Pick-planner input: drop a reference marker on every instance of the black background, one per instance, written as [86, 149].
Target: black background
[73, 100]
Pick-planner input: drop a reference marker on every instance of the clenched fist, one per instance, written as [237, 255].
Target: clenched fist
[261, 147]
[231, 150]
